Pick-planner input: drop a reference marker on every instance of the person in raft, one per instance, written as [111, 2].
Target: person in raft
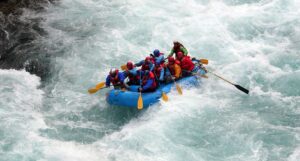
[178, 47]
[173, 70]
[115, 78]
[148, 83]
[186, 64]
[159, 72]
[158, 57]
[147, 64]
[132, 76]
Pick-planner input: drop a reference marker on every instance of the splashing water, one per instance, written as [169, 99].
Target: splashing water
[255, 43]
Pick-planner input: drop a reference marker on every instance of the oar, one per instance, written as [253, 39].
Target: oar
[204, 61]
[98, 87]
[164, 95]
[124, 67]
[179, 90]
[140, 99]
[236, 85]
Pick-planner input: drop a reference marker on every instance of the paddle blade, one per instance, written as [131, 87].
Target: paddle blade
[140, 102]
[165, 97]
[204, 61]
[124, 67]
[100, 85]
[92, 90]
[242, 88]
[179, 90]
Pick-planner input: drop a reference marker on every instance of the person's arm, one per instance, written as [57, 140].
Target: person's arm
[139, 63]
[151, 66]
[126, 80]
[107, 82]
[162, 72]
[121, 77]
[184, 50]
[171, 53]
[147, 85]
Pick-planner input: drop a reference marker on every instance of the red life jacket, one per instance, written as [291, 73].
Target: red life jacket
[187, 64]
[134, 79]
[115, 80]
[145, 79]
[146, 66]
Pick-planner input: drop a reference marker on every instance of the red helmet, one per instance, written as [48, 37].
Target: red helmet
[148, 58]
[171, 60]
[129, 65]
[179, 55]
[113, 72]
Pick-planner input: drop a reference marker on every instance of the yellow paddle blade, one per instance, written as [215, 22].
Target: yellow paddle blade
[204, 61]
[124, 67]
[92, 90]
[179, 89]
[165, 97]
[140, 102]
[100, 85]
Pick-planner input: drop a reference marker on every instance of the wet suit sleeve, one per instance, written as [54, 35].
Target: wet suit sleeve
[171, 53]
[139, 63]
[107, 82]
[184, 50]
[148, 84]
[121, 77]
[151, 65]
[162, 72]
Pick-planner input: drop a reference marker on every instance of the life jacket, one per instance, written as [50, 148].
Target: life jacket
[187, 64]
[115, 80]
[146, 78]
[133, 78]
[146, 65]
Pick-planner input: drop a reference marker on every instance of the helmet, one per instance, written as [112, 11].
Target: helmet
[113, 72]
[148, 58]
[171, 60]
[179, 55]
[156, 52]
[129, 65]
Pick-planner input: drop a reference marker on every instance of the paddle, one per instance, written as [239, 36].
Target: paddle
[164, 95]
[179, 90]
[140, 99]
[236, 85]
[204, 61]
[97, 88]
[124, 67]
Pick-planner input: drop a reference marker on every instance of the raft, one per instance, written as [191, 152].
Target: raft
[129, 99]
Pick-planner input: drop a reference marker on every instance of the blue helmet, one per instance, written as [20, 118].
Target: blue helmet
[156, 52]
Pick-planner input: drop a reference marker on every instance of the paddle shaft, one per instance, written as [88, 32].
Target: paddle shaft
[236, 85]
[221, 78]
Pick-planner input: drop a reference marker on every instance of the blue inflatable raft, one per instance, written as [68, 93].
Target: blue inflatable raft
[129, 98]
